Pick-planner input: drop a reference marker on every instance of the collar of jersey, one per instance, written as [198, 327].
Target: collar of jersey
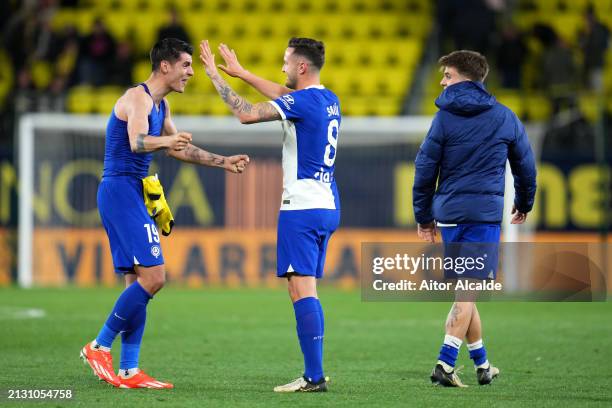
[315, 86]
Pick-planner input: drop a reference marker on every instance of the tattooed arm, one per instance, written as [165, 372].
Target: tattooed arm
[245, 111]
[195, 155]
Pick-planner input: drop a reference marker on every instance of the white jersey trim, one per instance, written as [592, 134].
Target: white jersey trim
[283, 116]
[290, 155]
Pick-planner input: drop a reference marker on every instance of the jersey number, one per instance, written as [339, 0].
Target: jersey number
[332, 138]
[152, 233]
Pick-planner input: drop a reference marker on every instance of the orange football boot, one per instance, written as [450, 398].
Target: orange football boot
[101, 362]
[142, 380]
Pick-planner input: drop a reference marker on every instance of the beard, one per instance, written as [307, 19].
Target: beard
[290, 83]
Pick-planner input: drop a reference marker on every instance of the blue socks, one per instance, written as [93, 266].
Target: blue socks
[309, 318]
[450, 350]
[130, 341]
[478, 354]
[322, 327]
[130, 305]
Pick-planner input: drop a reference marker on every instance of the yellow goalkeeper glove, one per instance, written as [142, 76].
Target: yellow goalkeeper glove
[156, 204]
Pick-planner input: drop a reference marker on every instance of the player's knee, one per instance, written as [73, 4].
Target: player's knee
[158, 281]
[295, 291]
[301, 287]
[153, 281]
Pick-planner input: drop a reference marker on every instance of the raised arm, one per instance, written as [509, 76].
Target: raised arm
[245, 111]
[195, 155]
[135, 107]
[233, 68]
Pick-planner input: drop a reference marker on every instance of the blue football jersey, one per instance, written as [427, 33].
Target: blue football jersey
[119, 160]
[311, 124]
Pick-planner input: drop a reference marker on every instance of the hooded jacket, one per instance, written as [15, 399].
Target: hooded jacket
[465, 152]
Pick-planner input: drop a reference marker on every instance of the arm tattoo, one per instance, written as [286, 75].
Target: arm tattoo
[140, 146]
[236, 102]
[265, 111]
[196, 155]
[239, 105]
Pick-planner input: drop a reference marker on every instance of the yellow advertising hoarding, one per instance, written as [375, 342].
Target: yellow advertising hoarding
[199, 257]
[196, 257]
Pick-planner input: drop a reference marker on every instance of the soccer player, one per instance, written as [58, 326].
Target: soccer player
[310, 207]
[464, 154]
[139, 125]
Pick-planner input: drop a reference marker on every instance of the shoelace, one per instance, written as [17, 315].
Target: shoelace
[456, 374]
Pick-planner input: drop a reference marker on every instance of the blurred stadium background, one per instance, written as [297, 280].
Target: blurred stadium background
[63, 64]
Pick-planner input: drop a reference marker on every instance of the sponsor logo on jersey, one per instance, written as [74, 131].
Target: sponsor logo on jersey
[287, 101]
[155, 251]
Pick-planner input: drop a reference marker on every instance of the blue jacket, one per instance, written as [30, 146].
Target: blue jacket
[465, 152]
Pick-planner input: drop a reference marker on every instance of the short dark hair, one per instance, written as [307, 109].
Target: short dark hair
[168, 49]
[471, 64]
[312, 50]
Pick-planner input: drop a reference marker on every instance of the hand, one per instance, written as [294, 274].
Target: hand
[517, 216]
[179, 141]
[427, 232]
[208, 59]
[232, 67]
[237, 163]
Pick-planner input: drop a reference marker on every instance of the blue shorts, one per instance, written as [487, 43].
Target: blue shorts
[479, 242]
[301, 241]
[131, 232]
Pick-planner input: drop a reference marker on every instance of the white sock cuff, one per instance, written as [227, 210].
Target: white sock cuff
[95, 344]
[128, 372]
[453, 341]
[475, 345]
[484, 365]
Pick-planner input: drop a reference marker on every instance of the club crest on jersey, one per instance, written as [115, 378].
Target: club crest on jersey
[287, 101]
[155, 251]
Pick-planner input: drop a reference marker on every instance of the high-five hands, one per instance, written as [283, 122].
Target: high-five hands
[232, 67]
[208, 59]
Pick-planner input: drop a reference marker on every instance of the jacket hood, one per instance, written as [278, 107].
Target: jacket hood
[465, 98]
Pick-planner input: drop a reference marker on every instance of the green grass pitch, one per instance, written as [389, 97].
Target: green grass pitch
[230, 347]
